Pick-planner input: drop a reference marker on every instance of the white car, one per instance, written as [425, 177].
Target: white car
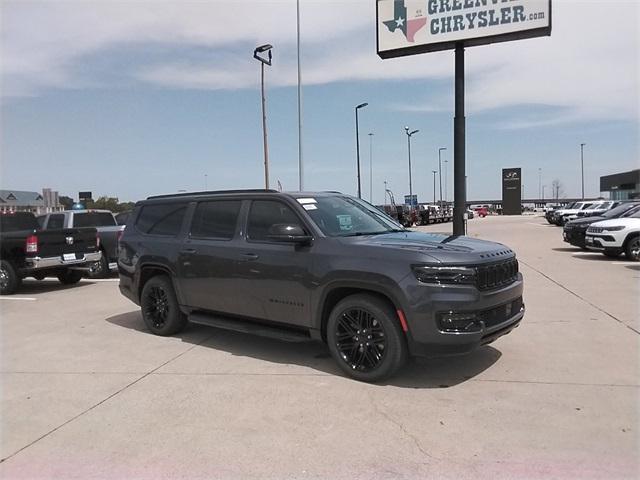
[596, 208]
[560, 216]
[612, 237]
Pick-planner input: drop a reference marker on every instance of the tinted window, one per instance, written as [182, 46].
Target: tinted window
[15, 222]
[93, 219]
[41, 219]
[264, 214]
[165, 219]
[619, 210]
[55, 222]
[123, 218]
[216, 219]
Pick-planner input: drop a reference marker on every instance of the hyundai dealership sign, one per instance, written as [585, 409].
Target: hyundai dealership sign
[407, 27]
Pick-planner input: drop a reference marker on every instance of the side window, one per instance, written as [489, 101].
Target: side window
[217, 219]
[55, 222]
[164, 219]
[264, 214]
[41, 219]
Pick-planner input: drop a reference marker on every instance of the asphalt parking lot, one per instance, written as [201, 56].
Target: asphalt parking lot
[87, 392]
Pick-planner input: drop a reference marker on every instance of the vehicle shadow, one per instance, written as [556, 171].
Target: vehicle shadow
[418, 373]
[33, 287]
[633, 267]
[597, 257]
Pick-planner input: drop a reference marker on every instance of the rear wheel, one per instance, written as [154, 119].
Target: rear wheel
[99, 269]
[632, 250]
[160, 310]
[9, 279]
[70, 277]
[365, 338]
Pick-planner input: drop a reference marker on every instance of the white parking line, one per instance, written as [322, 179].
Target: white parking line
[30, 299]
[626, 263]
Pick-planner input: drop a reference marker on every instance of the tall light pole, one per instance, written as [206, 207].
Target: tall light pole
[358, 107]
[370, 167]
[440, 171]
[539, 182]
[264, 61]
[446, 167]
[543, 187]
[434, 185]
[582, 166]
[385, 193]
[300, 163]
[409, 135]
[205, 182]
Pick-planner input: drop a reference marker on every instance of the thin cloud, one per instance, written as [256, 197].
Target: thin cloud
[588, 68]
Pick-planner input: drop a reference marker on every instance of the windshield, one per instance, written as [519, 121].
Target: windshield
[619, 210]
[341, 216]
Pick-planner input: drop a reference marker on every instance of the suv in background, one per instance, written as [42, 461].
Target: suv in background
[560, 216]
[103, 221]
[575, 230]
[613, 237]
[324, 266]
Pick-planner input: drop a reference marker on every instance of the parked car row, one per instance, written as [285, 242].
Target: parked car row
[612, 232]
[561, 215]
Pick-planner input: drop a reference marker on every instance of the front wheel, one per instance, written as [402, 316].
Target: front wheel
[9, 279]
[633, 249]
[160, 310]
[365, 338]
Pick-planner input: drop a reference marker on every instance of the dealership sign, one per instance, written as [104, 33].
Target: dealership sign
[407, 27]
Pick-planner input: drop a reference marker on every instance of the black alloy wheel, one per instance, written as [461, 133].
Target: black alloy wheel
[360, 339]
[160, 309]
[157, 306]
[9, 279]
[365, 338]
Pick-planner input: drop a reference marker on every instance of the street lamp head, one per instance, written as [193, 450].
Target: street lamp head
[442, 148]
[370, 134]
[362, 105]
[582, 144]
[415, 131]
[261, 49]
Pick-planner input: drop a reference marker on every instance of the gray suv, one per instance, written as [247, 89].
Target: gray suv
[323, 266]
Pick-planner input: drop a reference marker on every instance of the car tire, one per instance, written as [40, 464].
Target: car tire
[160, 309]
[632, 249]
[70, 277]
[100, 269]
[365, 338]
[9, 279]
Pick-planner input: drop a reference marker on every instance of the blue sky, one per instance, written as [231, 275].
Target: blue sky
[133, 99]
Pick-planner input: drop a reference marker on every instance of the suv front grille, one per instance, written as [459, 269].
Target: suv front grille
[497, 275]
[497, 315]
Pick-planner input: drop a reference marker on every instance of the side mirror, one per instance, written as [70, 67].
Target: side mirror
[283, 232]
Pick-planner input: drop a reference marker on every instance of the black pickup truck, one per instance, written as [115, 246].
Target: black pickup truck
[27, 251]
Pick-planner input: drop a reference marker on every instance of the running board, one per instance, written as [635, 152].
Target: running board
[245, 326]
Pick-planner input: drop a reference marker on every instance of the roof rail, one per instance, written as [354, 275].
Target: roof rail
[212, 192]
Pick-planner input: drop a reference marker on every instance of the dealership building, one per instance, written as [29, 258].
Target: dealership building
[621, 186]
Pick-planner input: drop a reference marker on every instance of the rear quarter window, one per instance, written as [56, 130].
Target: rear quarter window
[163, 219]
[16, 222]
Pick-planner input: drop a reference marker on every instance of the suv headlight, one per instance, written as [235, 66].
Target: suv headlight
[613, 229]
[445, 275]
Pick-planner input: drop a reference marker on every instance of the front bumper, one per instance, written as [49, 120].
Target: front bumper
[601, 243]
[425, 337]
[39, 263]
[574, 236]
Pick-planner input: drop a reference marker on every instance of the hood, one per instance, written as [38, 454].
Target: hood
[440, 247]
[584, 222]
[627, 222]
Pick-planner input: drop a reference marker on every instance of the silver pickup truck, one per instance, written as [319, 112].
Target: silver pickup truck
[109, 233]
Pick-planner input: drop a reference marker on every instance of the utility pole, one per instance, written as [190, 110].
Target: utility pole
[409, 135]
[264, 61]
[459, 186]
[358, 107]
[434, 186]
[582, 166]
[300, 162]
[370, 167]
[440, 171]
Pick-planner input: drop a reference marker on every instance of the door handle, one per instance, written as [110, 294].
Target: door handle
[247, 257]
[188, 250]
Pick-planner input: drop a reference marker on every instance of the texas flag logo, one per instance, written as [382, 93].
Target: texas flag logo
[408, 21]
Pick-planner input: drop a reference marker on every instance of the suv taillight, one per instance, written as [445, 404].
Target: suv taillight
[32, 244]
[97, 241]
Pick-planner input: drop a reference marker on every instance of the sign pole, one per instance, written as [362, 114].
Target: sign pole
[459, 187]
